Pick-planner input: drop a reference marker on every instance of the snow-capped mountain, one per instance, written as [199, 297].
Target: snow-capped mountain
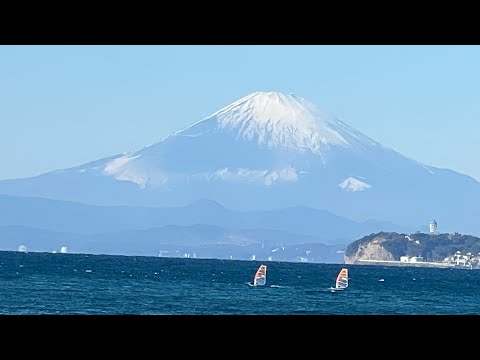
[257, 139]
[270, 150]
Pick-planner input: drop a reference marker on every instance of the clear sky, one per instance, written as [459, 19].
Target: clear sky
[61, 106]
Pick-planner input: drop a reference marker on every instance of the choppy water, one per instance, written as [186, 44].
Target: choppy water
[41, 283]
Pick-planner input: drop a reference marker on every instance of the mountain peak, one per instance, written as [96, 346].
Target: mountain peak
[273, 109]
[274, 119]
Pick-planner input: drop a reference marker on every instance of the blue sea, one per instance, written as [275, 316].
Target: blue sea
[44, 283]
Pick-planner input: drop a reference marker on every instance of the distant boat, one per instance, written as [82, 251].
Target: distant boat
[342, 281]
[260, 277]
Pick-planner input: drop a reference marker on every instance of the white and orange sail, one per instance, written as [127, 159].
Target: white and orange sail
[342, 280]
[260, 276]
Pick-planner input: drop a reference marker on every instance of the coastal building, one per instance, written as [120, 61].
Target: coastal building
[433, 227]
[413, 259]
[458, 259]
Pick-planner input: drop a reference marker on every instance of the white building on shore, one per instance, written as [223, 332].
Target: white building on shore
[413, 259]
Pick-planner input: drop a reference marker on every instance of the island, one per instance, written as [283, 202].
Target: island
[430, 250]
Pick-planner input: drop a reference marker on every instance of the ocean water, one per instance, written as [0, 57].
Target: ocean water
[43, 283]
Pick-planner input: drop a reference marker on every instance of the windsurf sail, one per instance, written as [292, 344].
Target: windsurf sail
[260, 276]
[342, 280]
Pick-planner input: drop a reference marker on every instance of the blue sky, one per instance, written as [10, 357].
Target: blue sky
[61, 106]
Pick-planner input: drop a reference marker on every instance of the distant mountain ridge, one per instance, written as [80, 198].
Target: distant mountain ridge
[71, 217]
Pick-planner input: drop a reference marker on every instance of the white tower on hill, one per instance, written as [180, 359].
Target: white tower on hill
[433, 227]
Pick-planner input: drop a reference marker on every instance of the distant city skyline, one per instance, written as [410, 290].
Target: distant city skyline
[62, 106]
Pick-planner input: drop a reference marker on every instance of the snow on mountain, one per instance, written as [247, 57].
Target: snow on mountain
[352, 184]
[278, 120]
[119, 169]
[270, 150]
